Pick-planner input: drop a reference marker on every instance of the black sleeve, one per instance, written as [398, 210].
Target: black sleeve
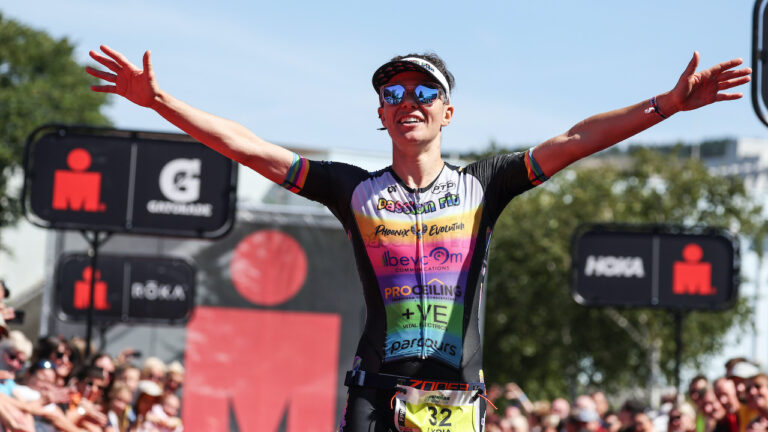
[329, 183]
[503, 177]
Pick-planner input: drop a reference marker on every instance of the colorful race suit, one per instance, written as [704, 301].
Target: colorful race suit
[421, 255]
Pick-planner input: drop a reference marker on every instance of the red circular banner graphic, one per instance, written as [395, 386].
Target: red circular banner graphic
[269, 267]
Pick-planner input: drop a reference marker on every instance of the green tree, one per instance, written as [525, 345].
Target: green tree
[40, 83]
[537, 336]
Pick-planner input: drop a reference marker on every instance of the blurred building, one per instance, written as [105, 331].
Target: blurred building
[746, 158]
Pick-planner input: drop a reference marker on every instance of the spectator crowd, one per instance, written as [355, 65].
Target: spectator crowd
[52, 385]
[737, 401]
[59, 384]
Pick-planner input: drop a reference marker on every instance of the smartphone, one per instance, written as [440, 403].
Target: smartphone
[18, 318]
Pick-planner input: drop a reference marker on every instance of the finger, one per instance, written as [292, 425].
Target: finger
[731, 74]
[692, 65]
[148, 64]
[106, 76]
[104, 88]
[725, 85]
[726, 65]
[728, 96]
[105, 61]
[119, 58]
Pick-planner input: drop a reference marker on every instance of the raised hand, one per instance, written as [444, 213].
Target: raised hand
[137, 85]
[696, 89]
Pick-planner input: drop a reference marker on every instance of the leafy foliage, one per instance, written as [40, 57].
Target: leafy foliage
[40, 83]
[537, 336]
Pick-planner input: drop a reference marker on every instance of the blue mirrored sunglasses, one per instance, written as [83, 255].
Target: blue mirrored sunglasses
[425, 93]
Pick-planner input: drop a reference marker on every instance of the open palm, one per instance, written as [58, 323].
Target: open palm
[696, 89]
[137, 85]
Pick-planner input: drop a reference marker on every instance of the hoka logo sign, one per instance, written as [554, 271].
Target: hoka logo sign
[611, 266]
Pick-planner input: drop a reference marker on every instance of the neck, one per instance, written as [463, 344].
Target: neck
[418, 166]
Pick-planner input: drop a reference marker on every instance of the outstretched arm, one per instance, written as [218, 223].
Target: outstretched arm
[693, 90]
[225, 136]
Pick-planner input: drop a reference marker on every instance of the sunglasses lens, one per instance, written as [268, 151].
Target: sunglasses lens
[393, 94]
[426, 94]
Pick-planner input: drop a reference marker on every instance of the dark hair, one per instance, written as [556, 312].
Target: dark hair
[46, 346]
[697, 378]
[733, 361]
[435, 60]
[633, 406]
[88, 371]
[6, 291]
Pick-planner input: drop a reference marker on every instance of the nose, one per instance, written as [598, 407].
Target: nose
[410, 99]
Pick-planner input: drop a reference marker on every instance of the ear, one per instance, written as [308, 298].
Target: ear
[447, 115]
[381, 112]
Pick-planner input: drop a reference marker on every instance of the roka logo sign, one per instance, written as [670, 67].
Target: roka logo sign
[179, 182]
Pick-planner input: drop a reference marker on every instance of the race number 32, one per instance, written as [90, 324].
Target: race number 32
[445, 413]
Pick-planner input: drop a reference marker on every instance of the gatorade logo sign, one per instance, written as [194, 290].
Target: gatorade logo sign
[179, 182]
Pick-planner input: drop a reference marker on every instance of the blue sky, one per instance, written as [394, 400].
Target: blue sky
[298, 72]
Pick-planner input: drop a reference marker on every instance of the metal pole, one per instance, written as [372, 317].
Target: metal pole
[758, 58]
[94, 240]
[678, 346]
[94, 254]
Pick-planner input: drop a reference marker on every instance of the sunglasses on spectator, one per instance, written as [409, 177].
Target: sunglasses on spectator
[93, 385]
[12, 356]
[425, 93]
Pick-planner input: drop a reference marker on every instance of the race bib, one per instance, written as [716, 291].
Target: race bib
[437, 411]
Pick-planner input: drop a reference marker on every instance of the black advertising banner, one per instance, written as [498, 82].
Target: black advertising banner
[125, 289]
[603, 263]
[699, 272]
[171, 187]
[71, 186]
[127, 181]
[654, 266]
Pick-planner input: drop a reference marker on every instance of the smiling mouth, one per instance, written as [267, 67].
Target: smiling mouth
[410, 120]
